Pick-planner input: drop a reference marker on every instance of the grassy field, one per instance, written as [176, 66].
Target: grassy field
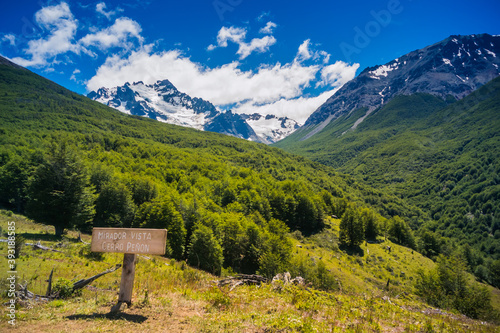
[170, 296]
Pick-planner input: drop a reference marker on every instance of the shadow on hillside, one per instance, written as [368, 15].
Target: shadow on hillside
[111, 316]
[352, 250]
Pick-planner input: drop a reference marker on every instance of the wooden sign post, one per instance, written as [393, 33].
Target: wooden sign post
[131, 242]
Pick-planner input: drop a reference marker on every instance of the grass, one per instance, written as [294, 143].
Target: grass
[171, 296]
[367, 268]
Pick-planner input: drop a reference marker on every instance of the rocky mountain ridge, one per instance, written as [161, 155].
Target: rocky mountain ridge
[164, 102]
[453, 67]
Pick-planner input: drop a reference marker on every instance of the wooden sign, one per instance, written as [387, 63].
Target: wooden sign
[129, 240]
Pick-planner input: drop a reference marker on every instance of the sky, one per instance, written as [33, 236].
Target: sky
[271, 57]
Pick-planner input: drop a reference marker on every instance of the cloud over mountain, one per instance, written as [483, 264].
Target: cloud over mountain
[250, 81]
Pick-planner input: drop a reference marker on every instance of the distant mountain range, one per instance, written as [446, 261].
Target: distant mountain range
[453, 67]
[162, 101]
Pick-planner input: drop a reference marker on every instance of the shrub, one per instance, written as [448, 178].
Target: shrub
[64, 288]
[447, 287]
[87, 253]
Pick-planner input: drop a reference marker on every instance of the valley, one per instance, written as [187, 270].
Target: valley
[387, 204]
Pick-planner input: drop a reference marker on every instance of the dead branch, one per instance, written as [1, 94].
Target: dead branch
[25, 294]
[49, 287]
[81, 240]
[83, 282]
[281, 280]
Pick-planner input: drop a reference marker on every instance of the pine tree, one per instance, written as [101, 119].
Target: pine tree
[59, 191]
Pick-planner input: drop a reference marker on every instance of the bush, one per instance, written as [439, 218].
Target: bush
[447, 287]
[64, 288]
[316, 273]
[87, 253]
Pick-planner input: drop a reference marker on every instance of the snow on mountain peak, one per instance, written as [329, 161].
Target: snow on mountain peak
[384, 70]
[162, 101]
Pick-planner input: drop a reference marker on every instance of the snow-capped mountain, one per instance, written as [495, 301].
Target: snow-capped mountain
[454, 67]
[162, 101]
[271, 128]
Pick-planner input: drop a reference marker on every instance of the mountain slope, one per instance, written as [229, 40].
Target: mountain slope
[173, 297]
[453, 67]
[224, 172]
[438, 156]
[400, 128]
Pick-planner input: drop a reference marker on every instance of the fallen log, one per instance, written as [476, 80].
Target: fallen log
[39, 246]
[241, 279]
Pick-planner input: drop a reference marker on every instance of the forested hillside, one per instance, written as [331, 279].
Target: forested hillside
[73, 163]
[440, 155]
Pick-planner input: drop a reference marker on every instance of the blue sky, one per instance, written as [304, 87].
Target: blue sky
[271, 57]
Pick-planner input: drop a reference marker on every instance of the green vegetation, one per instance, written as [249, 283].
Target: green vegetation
[170, 295]
[351, 228]
[227, 203]
[441, 156]
[447, 286]
[230, 206]
[59, 191]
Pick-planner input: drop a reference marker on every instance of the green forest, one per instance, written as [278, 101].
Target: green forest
[230, 205]
[73, 163]
[441, 156]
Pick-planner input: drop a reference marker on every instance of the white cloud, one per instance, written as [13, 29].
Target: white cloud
[263, 16]
[305, 53]
[268, 29]
[325, 55]
[62, 26]
[116, 35]
[101, 9]
[298, 109]
[222, 85]
[337, 74]
[237, 36]
[10, 38]
[260, 45]
[73, 75]
[270, 89]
